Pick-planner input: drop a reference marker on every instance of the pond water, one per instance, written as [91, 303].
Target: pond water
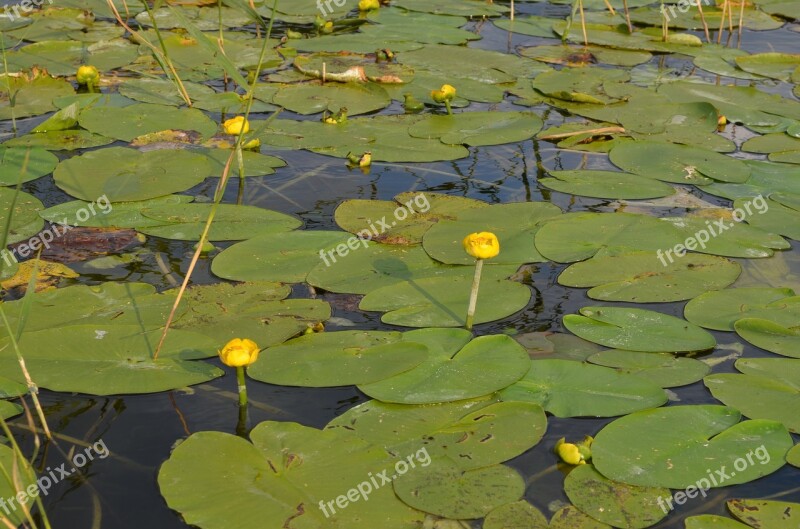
[121, 492]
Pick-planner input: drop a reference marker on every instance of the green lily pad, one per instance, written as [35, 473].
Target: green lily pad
[546, 345]
[445, 490]
[478, 128]
[775, 65]
[467, 8]
[769, 335]
[580, 85]
[111, 359]
[516, 515]
[724, 236]
[776, 381]
[721, 309]
[782, 216]
[453, 371]
[573, 389]
[186, 222]
[638, 330]
[578, 236]
[286, 466]
[680, 164]
[639, 277]
[33, 95]
[793, 457]
[617, 504]
[339, 358]
[60, 140]
[606, 184]
[663, 369]
[443, 301]
[311, 98]
[255, 164]
[23, 165]
[515, 225]
[676, 446]
[126, 123]
[9, 409]
[285, 257]
[472, 433]
[380, 220]
[120, 215]
[23, 220]
[711, 521]
[764, 513]
[63, 57]
[123, 174]
[571, 518]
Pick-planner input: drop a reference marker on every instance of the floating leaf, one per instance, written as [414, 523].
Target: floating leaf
[782, 216]
[24, 218]
[453, 371]
[764, 513]
[60, 140]
[721, 309]
[123, 174]
[614, 503]
[776, 381]
[676, 447]
[606, 184]
[129, 122]
[640, 277]
[572, 389]
[63, 57]
[571, 518]
[15, 467]
[19, 165]
[478, 128]
[340, 358]
[663, 369]
[445, 490]
[517, 515]
[311, 98]
[711, 521]
[33, 94]
[793, 457]
[638, 330]
[714, 232]
[769, 335]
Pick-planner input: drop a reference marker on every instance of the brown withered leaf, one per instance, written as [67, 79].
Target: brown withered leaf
[82, 244]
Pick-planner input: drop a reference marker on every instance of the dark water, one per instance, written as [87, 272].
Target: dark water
[120, 491]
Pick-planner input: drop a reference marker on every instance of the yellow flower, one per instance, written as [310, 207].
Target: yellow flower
[87, 75]
[239, 353]
[444, 94]
[574, 454]
[483, 245]
[236, 126]
[368, 5]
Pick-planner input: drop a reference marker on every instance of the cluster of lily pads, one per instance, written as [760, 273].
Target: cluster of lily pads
[474, 403]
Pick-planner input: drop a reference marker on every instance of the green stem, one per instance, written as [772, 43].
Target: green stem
[473, 296]
[240, 161]
[449, 110]
[240, 379]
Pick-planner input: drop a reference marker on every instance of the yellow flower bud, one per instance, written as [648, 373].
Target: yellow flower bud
[236, 126]
[449, 91]
[239, 353]
[483, 245]
[87, 75]
[368, 5]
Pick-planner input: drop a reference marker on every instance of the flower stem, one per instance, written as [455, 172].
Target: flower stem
[473, 296]
[242, 387]
[449, 110]
[240, 161]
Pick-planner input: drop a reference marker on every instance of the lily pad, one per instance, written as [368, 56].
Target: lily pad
[14, 464]
[515, 225]
[286, 257]
[445, 490]
[340, 358]
[23, 220]
[776, 381]
[60, 140]
[721, 309]
[764, 513]
[573, 389]
[33, 95]
[311, 98]
[782, 216]
[123, 174]
[638, 330]
[186, 222]
[478, 128]
[711, 521]
[640, 277]
[111, 359]
[725, 236]
[617, 504]
[63, 57]
[517, 515]
[681, 164]
[453, 371]
[676, 446]
[442, 301]
[120, 215]
[663, 369]
[19, 165]
[571, 518]
[769, 335]
[578, 236]
[127, 123]
[606, 184]
[793, 457]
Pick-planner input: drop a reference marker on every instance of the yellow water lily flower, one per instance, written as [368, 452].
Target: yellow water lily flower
[448, 90]
[239, 353]
[445, 94]
[87, 75]
[574, 454]
[483, 245]
[368, 5]
[236, 126]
